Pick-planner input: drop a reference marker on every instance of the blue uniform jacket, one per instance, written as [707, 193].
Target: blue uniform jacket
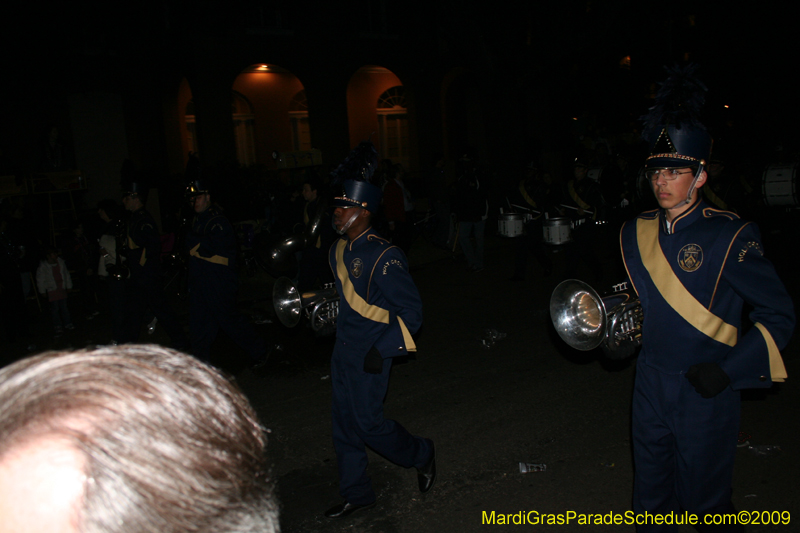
[380, 305]
[693, 281]
[212, 245]
[144, 245]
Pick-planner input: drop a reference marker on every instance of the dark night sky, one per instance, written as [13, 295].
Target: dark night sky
[746, 55]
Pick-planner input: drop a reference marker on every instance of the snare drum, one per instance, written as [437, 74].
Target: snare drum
[510, 224]
[779, 185]
[557, 230]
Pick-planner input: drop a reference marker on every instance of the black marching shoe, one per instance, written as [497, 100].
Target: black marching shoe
[427, 474]
[345, 509]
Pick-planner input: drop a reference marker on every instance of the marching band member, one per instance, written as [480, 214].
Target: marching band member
[694, 269]
[380, 309]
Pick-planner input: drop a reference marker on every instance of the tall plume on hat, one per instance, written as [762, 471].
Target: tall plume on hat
[678, 102]
[359, 165]
[673, 129]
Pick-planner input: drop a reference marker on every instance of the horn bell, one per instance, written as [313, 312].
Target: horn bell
[280, 257]
[578, 314]
[287, 302]
[320, 306]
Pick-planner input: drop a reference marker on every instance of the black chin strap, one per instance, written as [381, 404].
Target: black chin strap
[347, 224]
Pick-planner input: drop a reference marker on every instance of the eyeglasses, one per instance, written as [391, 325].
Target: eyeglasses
[669, 174]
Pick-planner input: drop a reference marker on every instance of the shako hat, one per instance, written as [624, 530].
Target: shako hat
[359, 194]
[673, 129]
[353, 176]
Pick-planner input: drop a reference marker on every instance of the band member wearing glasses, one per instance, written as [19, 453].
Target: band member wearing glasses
[694, 269]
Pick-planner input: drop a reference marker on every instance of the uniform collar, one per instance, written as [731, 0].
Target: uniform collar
[361, 238]
[683, 220]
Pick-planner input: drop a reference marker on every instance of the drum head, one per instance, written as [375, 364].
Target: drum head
[779, 185]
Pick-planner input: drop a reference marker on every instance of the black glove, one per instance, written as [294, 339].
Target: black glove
[373, 362]
[708, 379]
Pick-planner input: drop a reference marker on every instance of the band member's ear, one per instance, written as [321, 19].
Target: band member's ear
[701, 180]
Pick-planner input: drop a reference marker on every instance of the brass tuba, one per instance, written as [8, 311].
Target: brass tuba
[585, 321]
[280, 256]
[321, 307]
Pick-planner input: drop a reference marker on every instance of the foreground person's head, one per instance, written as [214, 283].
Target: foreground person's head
[129, 439]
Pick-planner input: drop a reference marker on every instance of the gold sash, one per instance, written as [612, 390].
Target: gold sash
[578, 200]
[673, 291]
[133, 246]
[359, 305]
[686, 305]
[217, 259]
[527, 197]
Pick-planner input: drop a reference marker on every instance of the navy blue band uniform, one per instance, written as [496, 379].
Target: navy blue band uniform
[144, 245]
[694, 277]
[145, 286]
[213, 285]
[380, 309]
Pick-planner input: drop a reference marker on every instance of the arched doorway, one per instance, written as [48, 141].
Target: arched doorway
[279, 111]
[378, 108]
[393, 125]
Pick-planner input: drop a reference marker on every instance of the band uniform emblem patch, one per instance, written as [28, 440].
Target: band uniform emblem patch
[690, 257]
[356, 267]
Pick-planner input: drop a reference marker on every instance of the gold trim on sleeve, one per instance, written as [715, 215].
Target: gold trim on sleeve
[777, 370]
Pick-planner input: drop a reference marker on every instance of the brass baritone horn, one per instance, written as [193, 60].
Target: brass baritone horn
[585, 321]
[321, 307]
[280, 255]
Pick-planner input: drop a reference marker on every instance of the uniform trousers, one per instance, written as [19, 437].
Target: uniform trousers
[213, 307]
[684, 447]
[147, 291]
[473, 255]
[358, 422]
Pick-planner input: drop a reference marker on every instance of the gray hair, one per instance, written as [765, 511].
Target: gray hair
[170, 445]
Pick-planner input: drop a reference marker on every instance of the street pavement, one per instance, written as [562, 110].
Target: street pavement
[525, 398]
